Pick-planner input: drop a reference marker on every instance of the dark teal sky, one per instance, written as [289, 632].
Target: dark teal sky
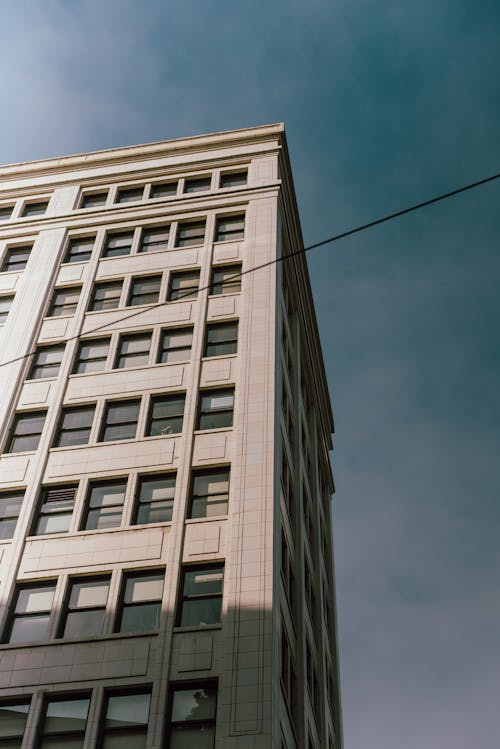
[385, 103]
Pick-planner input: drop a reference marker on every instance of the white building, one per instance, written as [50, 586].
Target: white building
[166, 573]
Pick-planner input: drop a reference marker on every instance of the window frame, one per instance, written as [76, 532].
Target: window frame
[183, 293]
[10, 253]
[88, 507]
[85, 342]
[172, 349]
[124, 605]
[50, 698]
[68, 609]
[74, 257]
[202, 724]
[129, 190]
[230, 234]
[229, 174]
[123, 249]
[204, 414]
[61, 430]
[140, 501]
[186, 598]
[12, 435]
[45, 500]
[141, 729]
[115, 300]
[134, 298]
[212, 498]
[14, 615]
[86, 199]
[157, 399]
[121, 356]
[46, 366]
[105, 424]
[13, 499]
[154, 245]
[187, 235]
[21, 701]
[230, 285]
[198, 183]
[3, 212]
[33, 208]
[168, 194]
[210, 328]
[67, 309]
[5, 313]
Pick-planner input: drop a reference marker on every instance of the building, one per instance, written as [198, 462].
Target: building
[166, 572]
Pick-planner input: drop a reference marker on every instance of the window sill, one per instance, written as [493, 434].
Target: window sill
[197, 628]
[215, 518]
[5, 646]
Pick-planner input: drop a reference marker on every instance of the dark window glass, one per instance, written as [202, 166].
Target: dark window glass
[13, 717]
[216, 409]
[192, 719]
[104, 505]
[63, 722]
[126, 718]
[201, 596]
[16, 259]
[94, 199]
[55, 510]
[118, 244]
[5, 305]
[154, 240]
[140, 605]
[92, 355]
[130, 194]
[133, 350]
[209, 493]
[155, 499]
[163, 189]
[35, 209]
[190, 234]
[64, 301]
[120, 420]
[75, 426]
[184, 285]
[175, 345]
[230, 228]
[10, 507]
[46, 362]
[166, 415]
[226, 280]
[85, 607]
[106, 295]
[221, 339]
[79, 250]
[144, 290]
[197, 184]
[6, 212]
[30, 612]
[233, 179]
[26, 431]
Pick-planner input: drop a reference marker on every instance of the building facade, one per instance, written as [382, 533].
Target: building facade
[166, 569]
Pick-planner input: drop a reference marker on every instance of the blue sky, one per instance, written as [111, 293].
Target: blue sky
[385, 104]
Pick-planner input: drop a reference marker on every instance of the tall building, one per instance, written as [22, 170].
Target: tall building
[166, 571]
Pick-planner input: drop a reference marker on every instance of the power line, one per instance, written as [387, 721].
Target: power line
[301, 251]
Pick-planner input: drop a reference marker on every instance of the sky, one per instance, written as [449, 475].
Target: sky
[386, 104]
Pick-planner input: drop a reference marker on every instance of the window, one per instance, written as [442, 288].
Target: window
[154, 499]
[209, 493]
[221, 339]
[85, 607]
[35, 209]
[92, 355]
[10, 506]
[94, 199]
[74, 426]
[233, 179]
[190, 234]
[288, 674]
[130, 194]
[226, 280]
[201, 600]
[197, 184]
[125, 720]
[184, 285]
[230, 228]
[163, 189]
[6, 212]
[175, 345]
[120, 420]
[29, 617]
[133, 350]
[16, 259]
[64, 720]
[216, 409]
[119, 243]
[26, 431]
[140, 605]
[5, 305]
[144, 290]
[64, 301]
[106, 295]
[13, 717]
[79, 250]
[46, 362]
[104, 505]
[55, 510]
[166, 415]
[192, 718]
[154, 240]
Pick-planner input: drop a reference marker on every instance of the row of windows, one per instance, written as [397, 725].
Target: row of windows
[135, 193]
[108, 295]
[87, 605]
[140, 240]
[165, 415]
[124, 718]
[135, 350]
[153, 502]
